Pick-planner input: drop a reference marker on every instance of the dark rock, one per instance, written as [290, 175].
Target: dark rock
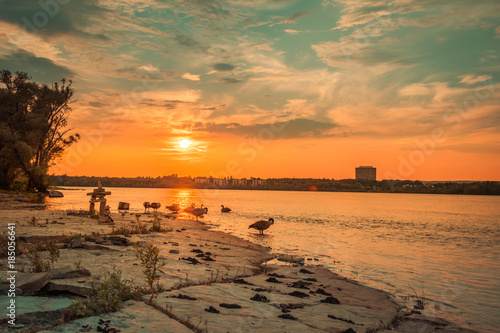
[277, 275]
[230, 306]
[287, 316]
[260, 290]
[56, 194]
[322, 292]
[305, 271]
[192, 261]
[311, 280]
[342, 319]
[349, 330]
[189, 298]
[259, 298]
[123, 206]
[174, 251]
[208, 258]
[291, 306]
[211, 309]
[196, 250]
[208, 253]
[200, 255]
[193, 245]
[330, 300]
[273, 280]
[298, 294]
[174, 244]
[118, 240]
[300, 284]
[241, 281]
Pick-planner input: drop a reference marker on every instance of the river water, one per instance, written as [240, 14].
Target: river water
[445, 248]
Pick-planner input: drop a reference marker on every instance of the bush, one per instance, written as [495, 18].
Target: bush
[107, 295]
[150, 260]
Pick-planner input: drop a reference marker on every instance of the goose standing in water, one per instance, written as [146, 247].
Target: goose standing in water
[225, 209]
[199, 211]
[262, 225]
[155, 206]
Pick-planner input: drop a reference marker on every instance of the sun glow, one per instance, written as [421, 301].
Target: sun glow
[185, 143]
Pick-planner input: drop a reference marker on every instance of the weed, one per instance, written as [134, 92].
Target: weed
[54, 252]
[150, 260]
[33, 221]
[106, 296]
[419, 300]
[168, 311]
[78, 264]
[37, 263]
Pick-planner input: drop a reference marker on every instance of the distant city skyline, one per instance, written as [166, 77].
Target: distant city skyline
[269, 88]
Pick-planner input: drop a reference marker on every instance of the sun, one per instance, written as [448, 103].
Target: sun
[185, 143]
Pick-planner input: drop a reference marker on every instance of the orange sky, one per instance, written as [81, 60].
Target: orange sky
[267, 88]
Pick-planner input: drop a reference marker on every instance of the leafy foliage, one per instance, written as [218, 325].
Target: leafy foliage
[107, 295]
[150, 260]
[33, 118]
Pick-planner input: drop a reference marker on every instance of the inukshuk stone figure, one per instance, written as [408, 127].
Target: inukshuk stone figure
[99, 195]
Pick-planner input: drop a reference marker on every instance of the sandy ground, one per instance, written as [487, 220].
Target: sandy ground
[213, 281]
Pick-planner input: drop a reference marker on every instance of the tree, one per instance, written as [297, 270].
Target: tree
[33, 120]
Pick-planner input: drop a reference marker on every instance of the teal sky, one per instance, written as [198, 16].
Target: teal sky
[362, 80]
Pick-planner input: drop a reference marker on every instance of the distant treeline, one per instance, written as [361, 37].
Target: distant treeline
[290, 184]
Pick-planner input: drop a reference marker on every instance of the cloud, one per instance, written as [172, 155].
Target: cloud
[222, 67]
[291, 31]
[416, 89]
[292, 18]
[53, 19]
[473, 78]
[352, 52]
[192, 77]
[458, 14]
[296, 128]
[41, 69]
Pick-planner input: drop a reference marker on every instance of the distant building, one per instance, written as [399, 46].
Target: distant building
[240, 182]
[366, 173]
[257, 182]
[221, 182]
[201, 180]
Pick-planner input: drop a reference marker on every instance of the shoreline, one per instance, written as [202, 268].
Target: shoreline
[361, 308]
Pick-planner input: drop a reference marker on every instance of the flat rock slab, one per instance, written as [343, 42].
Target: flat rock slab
[68, 286]
[133, 317]
[31, 282]
[30, 304]
[361, 308]
[69, 273]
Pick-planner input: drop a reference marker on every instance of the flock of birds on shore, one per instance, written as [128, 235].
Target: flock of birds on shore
[202, 210]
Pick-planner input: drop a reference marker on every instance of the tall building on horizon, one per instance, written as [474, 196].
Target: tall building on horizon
[366, 173]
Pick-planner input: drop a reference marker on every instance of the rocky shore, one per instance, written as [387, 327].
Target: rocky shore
[211, 282]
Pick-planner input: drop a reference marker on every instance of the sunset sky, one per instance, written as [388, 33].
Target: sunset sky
[269, 88]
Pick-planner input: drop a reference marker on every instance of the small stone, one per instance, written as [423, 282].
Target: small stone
[174, 251]
[330, 300]
[211, 309]
[260, 298]
[273, 280]
[287, 316]
[298, 294]
[305, 271]
[230, 306]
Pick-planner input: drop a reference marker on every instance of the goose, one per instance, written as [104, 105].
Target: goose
[189, 208]
[262, 225]
[174, 208]
[199, 211]
[155, 206]
[146, 205]
[225, 209]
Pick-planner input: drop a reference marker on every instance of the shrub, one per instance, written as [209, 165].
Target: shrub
[150, 260]
[106, 295]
